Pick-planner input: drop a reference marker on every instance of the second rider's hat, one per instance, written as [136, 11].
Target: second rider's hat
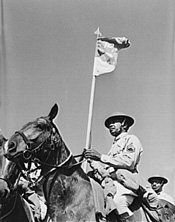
[151, 179]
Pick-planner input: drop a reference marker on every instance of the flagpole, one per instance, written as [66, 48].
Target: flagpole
[108, 48]
[91, 105]
[89, 126]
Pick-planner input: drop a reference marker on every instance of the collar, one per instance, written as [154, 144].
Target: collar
[160, 192]
[120, 136]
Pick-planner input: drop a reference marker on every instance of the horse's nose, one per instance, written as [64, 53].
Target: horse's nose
[12, 147]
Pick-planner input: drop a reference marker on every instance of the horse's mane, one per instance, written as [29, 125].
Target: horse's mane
[77, 167]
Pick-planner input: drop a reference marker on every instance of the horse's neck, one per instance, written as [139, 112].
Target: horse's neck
[59, 155]
[64, 163]
[68, 161]
[64, 154]
[65, 182]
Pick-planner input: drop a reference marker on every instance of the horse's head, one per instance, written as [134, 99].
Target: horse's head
[35, 139]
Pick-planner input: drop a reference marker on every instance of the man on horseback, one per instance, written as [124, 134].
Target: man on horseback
[157, 182]
[166, 209]
[120, 164]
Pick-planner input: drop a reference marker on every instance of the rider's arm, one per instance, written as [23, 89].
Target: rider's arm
[128, 157]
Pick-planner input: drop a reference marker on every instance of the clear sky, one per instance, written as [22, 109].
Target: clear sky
[47, 57]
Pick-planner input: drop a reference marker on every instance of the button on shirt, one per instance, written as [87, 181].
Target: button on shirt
[125, 152]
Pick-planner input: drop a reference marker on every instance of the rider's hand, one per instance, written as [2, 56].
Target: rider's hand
[151, 199]
[150, 196]
[92, 154]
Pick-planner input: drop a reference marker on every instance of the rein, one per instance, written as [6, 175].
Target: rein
[37, 161]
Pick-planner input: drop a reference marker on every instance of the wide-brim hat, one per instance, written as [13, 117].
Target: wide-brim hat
[165, 180]
[120, 117]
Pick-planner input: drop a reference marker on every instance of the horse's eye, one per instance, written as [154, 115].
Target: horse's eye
[40, 126]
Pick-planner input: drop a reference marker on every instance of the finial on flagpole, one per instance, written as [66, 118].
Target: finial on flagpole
[98, 33]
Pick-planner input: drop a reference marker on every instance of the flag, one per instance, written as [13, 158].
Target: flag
[106, 54]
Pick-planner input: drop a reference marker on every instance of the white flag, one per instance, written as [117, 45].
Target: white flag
[106, 55]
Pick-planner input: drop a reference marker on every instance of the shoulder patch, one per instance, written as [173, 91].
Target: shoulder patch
[130, 148]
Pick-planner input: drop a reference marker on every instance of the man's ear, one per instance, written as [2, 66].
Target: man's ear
[125, 128]
[162, 184]
[124, 125]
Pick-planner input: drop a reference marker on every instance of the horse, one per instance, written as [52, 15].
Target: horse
[11, 203]
[67, 188]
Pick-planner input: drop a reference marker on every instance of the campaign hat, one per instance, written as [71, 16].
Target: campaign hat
[165, 180]
[121, 117]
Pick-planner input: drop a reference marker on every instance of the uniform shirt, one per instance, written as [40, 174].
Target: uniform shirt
[125, 152]
[165, 196]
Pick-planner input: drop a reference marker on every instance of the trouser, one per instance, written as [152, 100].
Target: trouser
[138, 186]
[37, 204]
[120, 198]
[128, 186]
[117, 196]
[123, 199]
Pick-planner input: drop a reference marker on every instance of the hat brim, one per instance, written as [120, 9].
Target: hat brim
[128, 120]
[158, 177]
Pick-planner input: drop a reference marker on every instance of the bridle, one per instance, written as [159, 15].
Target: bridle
[52, 141]
[29, 151]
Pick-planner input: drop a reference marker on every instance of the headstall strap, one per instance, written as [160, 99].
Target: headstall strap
[27, 154]
[24, 138]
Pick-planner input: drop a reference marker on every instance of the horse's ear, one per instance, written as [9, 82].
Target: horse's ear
[53, 112]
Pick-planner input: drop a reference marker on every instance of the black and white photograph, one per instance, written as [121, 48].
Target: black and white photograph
[87, 111]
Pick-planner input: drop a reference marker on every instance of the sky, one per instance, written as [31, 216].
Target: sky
[46, 57]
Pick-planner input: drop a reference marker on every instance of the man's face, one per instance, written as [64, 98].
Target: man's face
[157, 185]
[115, 128]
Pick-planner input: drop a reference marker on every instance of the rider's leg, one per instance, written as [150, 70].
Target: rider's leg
[37, 203]
[42, 201]
[138, 185]
[43, 206]
[34, 203]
